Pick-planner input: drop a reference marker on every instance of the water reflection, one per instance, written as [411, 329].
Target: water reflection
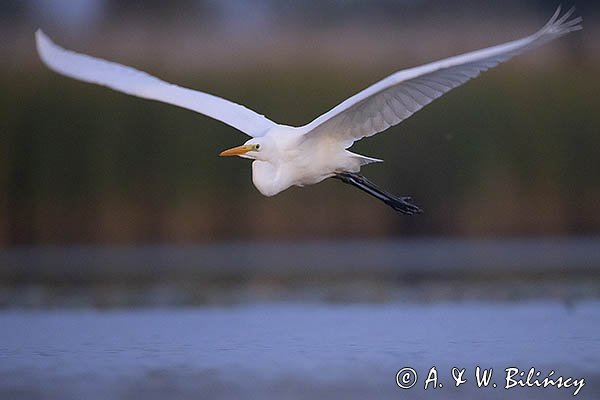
[565, 269]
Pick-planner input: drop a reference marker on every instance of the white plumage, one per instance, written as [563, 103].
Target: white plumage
[285, 155]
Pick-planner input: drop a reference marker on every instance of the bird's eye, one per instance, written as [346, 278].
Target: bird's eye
[257, 146]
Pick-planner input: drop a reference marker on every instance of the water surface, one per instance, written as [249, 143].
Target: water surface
[295, 350]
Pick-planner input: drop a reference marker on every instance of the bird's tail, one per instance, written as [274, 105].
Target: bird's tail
[364, 160]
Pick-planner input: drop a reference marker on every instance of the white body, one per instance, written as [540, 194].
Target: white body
[284, 155]
[300, 159]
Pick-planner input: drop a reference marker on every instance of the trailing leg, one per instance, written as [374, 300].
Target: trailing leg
[401, 204]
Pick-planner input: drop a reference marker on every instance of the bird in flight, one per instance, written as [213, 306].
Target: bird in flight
[286, 156]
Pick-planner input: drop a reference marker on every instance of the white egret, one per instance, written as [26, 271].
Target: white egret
[285, 156]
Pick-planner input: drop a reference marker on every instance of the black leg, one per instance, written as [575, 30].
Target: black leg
[401, 204]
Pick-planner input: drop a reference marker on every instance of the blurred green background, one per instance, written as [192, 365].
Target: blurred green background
[515, 152]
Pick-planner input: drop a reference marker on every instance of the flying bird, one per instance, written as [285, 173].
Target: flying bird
[286, 156]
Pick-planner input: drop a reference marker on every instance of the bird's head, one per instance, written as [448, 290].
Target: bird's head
[254, 149]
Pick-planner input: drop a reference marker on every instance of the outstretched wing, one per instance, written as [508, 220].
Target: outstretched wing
[137, 83]
[397, 97]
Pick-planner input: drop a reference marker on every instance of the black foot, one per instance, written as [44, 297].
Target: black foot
[404, 205]
[401, 204]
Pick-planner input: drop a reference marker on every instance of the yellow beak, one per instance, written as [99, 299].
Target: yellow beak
[236, 151]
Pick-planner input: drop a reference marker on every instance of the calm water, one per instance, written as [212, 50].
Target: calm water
[296, 350]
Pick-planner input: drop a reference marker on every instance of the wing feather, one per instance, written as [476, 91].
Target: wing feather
[395, 98]
[137, 83]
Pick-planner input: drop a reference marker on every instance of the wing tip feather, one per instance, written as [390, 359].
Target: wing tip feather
[42, 40]
[45, 46]
[559, 25]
